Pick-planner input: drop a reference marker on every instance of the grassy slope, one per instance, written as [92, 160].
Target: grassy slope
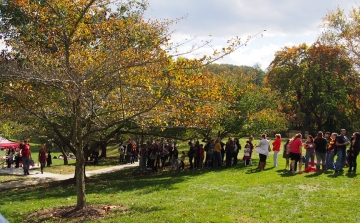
[224, 195]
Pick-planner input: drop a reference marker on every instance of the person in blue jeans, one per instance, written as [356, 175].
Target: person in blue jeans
[331, 152]
[341, 143]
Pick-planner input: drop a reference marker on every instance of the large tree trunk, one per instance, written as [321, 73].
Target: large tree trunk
[80, 159]
[103, 146]
[80, 179]
[303, 130]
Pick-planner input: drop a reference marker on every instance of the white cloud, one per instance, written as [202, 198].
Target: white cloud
[294, 22]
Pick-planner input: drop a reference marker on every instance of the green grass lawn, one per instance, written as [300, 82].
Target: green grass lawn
[237, 194]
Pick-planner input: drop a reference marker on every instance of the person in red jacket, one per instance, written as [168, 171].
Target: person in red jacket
[42, 157]
[25, 154]
[296, 153]
[276, 148]
[201, 156]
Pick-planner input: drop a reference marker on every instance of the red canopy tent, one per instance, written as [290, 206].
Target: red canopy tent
[7, 143]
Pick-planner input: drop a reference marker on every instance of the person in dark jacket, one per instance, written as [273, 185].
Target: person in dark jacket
[236, 151]
[191, 154]
[95, 156]
[320, 151]
[354, 152]
[48, 159]
[229, 148]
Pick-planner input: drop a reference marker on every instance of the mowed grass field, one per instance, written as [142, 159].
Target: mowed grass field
[237, 194]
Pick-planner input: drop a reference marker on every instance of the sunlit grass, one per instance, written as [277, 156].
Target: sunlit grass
[237, 194]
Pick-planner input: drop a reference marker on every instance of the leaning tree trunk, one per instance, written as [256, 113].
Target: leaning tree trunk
[66, 161]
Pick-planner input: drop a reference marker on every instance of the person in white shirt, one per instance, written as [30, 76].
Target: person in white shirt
[263, 150]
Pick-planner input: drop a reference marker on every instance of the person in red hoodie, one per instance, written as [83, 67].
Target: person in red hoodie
[201, 156]
[25, 154]
[276, 148]
[296, 153]
[42, 157]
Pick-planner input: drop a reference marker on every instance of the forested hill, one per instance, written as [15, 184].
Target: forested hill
[255, 71]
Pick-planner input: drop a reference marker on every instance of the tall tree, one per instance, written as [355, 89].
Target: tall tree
[341, 28]
[314, 81]
[85, 70]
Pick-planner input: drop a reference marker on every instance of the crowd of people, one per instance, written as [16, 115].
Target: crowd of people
[323, 147]
[212, 153]
[21, 156]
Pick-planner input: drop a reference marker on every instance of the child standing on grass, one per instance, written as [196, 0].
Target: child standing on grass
[286, 154]
[182, 159]
[247, 156]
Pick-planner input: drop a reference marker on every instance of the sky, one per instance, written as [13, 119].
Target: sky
[287, 23]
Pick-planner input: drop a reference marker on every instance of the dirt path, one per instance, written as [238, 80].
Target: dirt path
[36, 177]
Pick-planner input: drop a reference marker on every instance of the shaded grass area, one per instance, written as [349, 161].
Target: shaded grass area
[238, 194]
[9, 178]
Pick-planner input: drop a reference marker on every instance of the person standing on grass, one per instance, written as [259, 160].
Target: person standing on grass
[251, 138]
[164, 154]
[42, 157]
[222, 152]
[320, 151]
[341, 143]
[10, 156]
[191, 154]
[128, 151]
[309, 147]
[236, 151]
[196, 154]
[48, 159]
[331, 151]
[174, 160]
[153, 158]
[201, 156]
[182, 160]
[263, 150]
[276, 148]
[217, 153]
[354, 152]
[286, 154]
[229, 148]
[209, 148]
[246, 157]
[143, 155]
[296, 153]
[133, 154]
[121, 151]
[25, 153]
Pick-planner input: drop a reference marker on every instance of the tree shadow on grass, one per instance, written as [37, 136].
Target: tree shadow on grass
[108, 184]
[335, 175]
[313, 174]
[286, 173]
[351, 175]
